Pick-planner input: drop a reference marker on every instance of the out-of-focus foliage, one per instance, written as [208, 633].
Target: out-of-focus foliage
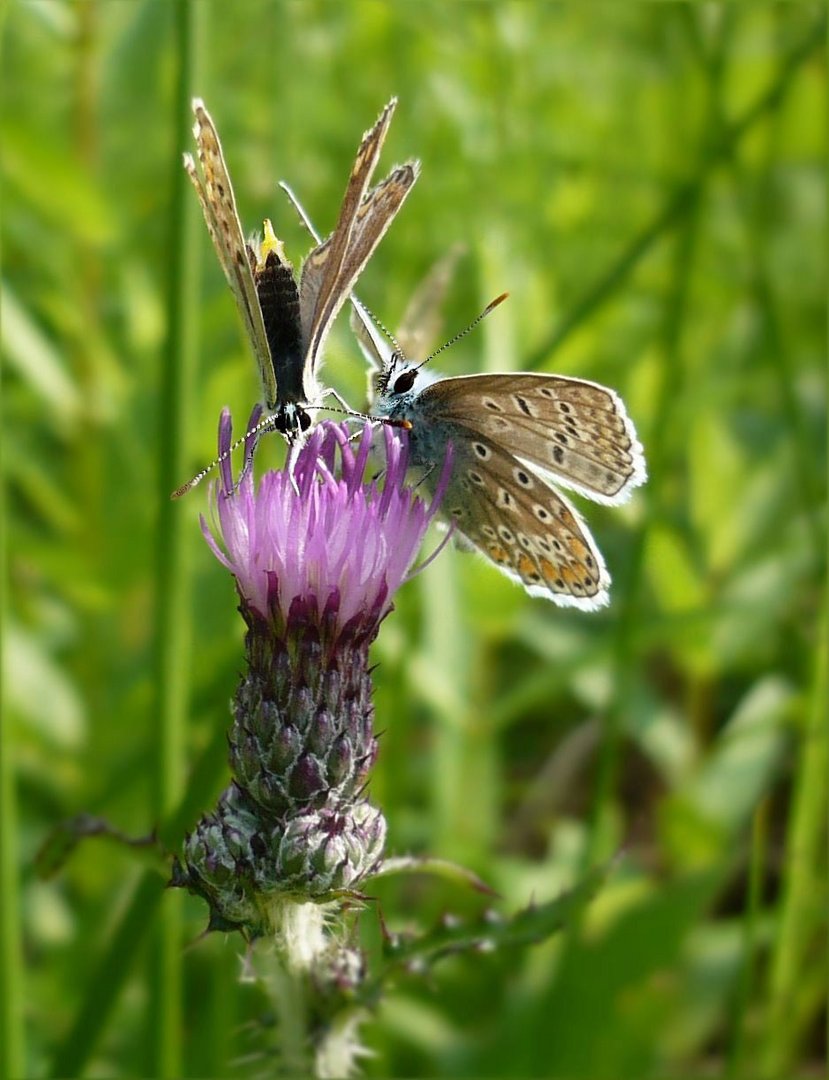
[648, 182]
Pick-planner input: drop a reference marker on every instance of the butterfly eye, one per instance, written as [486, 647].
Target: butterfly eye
[405, 382]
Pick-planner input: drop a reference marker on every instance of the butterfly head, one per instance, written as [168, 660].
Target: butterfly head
[402, 379]
[398, 377]
[292, 421]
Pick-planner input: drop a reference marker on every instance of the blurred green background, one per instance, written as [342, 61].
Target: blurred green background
[648, 182]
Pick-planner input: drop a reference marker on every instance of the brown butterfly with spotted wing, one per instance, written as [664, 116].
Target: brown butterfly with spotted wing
[514, 438]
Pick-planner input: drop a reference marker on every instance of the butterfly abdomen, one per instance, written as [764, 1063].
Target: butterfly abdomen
[279, 300]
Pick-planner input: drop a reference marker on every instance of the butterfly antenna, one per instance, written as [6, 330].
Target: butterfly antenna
[383, 329]
[479, 318]
[197, 479]
[300, 209]
[306, 221]
[387, 421]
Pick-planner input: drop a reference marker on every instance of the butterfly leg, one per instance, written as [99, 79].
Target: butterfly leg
[346, 408]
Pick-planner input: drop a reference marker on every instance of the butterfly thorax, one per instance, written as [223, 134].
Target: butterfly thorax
[400, 396]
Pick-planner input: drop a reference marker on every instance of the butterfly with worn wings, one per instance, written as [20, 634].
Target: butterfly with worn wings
[513, 438]
[287, 321]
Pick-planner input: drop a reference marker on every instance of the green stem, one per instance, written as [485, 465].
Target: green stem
[625, 643]
[114, 965]
[737, 1065]
[288, 992]
[807, 472]
[172, 622]
[304, 947]
[107, 980]
[802, 918]
[677, 205]
[12, 1035]
[12, 1042]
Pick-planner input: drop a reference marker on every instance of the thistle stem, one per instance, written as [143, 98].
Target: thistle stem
[313, 1039]
[299, 933]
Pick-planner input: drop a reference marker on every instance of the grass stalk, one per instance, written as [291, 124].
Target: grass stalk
[172, 620]
[806, 470]
[802, 916]
[676, 308]
[109, 977]
[114, 966]
[679, 204]
[12, 1035]
[747, 980]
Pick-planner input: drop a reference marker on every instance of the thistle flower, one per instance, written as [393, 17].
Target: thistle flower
[318, 551]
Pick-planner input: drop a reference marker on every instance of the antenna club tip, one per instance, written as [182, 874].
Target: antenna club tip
[498, 300]
[177, 494]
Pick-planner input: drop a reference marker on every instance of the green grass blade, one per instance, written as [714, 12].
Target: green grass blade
[172, 570]
[739, 1063]
[12, 1037]
[678, 205]
[108, 979]
[115, 962]
[804, 903]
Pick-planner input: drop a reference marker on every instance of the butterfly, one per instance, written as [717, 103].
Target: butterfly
[287, 320]
[515, 439]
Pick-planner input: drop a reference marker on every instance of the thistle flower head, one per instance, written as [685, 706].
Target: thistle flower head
[319, 541]
[318, 550]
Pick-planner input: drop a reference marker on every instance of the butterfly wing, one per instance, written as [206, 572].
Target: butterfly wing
[518, 521]
[422, 320]
[376, 213]
[374, 345]
[218, 204]
[575, 432]
[332, 268]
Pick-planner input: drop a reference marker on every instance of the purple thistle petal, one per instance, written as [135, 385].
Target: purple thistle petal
[318, 532]
[225, 437]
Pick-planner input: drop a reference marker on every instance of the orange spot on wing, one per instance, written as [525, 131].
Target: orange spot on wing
[525, 566]
[549, 571]
[566, 518]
